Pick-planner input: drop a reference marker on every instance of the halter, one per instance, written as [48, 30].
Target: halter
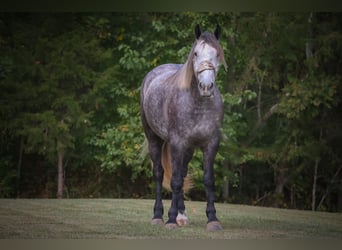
[205, 65]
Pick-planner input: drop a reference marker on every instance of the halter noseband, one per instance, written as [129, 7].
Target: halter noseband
[205, 65]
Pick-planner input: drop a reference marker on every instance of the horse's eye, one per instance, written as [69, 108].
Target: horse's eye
[195, 54]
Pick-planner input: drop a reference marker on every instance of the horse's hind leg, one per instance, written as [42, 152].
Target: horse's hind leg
[155, 149]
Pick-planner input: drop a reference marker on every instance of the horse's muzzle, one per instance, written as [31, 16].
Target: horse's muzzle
[206, 79]
[206, 90]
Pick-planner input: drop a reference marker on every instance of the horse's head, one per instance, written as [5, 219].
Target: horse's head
[207, 55]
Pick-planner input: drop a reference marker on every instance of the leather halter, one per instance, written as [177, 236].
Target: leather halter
[205, 65]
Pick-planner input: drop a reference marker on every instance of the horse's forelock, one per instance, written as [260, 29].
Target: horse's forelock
[211, 40]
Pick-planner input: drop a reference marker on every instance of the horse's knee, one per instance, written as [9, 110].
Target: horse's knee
[208, 181]
[176, 183]
[158, 172]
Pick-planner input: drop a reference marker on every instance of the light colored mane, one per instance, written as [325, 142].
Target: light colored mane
[185, 74]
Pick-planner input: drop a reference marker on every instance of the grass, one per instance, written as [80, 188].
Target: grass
[128, 218]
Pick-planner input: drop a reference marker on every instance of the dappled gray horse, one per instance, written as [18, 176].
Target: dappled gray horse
[181, 109]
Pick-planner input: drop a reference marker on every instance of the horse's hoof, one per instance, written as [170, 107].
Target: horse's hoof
[182, 220]
[157, 222]
[214, 226]
[171, 226]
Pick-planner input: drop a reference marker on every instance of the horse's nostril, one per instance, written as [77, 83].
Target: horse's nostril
[206, 86]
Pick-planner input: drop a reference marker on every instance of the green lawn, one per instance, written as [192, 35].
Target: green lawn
[128, 218]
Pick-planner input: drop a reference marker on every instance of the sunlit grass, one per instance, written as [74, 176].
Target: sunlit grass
[128, 218]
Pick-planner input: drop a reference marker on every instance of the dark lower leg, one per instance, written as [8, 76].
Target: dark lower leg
[155, 149]
[187, 157]
[177, 203]
[210, 195]
[209, 180]
[158, 209]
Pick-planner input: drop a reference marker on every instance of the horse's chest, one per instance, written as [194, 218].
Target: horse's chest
[202, 125]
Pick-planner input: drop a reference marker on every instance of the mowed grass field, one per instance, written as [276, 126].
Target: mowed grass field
[130, 219]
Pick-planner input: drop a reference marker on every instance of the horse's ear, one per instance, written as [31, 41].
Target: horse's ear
[217, 32]
[198, 31]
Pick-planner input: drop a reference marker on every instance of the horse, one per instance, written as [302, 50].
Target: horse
[181, 110]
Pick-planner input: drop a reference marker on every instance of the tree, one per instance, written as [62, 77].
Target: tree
[57, 63]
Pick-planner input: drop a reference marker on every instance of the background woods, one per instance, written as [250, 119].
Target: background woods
[70, 123]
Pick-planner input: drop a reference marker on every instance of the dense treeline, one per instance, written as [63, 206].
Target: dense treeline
[70, 123]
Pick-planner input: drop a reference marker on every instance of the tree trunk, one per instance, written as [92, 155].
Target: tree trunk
[226, 184]
[293, 197]
[240, 179]
[226, 190]
[231, 42]
[308, 44]
[259, 101]
[329, 186]
[20, 160]
[339, 198]
[60, 181]
[314, 185]
[280, 181]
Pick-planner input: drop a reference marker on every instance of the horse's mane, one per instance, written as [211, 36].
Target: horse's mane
[184, 75]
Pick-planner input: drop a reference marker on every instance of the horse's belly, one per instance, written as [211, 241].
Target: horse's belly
[158, 125]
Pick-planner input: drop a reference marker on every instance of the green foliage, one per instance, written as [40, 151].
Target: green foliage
[121, 146]
[46, 93]
[308, 97]
[121, 150]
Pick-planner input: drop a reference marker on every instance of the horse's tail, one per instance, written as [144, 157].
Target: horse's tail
[166, 162]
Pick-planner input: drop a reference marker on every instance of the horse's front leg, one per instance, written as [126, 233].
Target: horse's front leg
[177, 204]
[182, 219]
[209, 154]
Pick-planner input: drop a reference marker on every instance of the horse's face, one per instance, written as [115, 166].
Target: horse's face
[205, 65]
